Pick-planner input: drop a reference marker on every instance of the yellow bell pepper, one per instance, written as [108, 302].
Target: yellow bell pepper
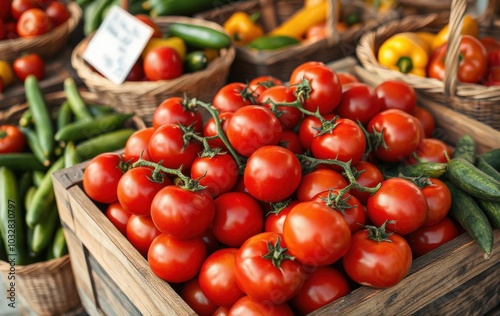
[174, 42]
[404, 52]
[297, 25]
[470, 27]
[242, 28]
[427, 38]
[6, 73]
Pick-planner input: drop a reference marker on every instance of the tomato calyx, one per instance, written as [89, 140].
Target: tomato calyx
[247, 94]
[303, 90]
[327, 126]
[379, 234]
[420, 181]
[277, 254]
[189, 104]
[3, 134]
[277, 207]
[337, 201]
[374, 140]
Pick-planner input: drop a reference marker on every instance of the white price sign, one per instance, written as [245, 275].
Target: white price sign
[117, 44]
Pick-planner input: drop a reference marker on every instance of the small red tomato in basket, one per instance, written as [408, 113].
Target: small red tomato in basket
[30, 64]
[57, 12]
[18, 7]
[4, 10]
[12, 140]
[3, 30]
[163, 63]
[33, 22]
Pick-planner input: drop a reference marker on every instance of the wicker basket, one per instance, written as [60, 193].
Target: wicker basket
[46, 45]
[143, 97]
[474, 100]
[280, 63]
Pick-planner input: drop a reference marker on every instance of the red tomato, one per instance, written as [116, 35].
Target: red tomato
[426, 120]
[191, 293]
[246, 306]
[167, 144]
[350, 208]
[30, 64]
[398, 200]
[175, 260]
[291, 141]
[33, 22]
[118, 216]
[221, 311]
[182, 214]
[438, 199]
[359, 102]
[298, 72]
[324, 285]
[101, 177]
[309, 129]
[146, 19]
[252, 127]
[162, 63]
[318, 181]
[430, 149]
[137, 71]
[218, 174]
[346, 78]
[218, 280]
[136, 190]
[428, 238]
[377, 263]
[288, 116]
[262, 83]
[137, 145]
[5, 10]
[345, 142]
[326, 90]
[210, 129]
[264, 270]
[367, 175]
[275, 219]
[12, 140]
[394, 94]
[272, 174]
[211, 241]
[315, 235]
[237, 217]
[401, 133]
[57, 12]
[232, 96]
[3, 30]
[11, 30]
[141, 232]
[174, 111]
[18, 7]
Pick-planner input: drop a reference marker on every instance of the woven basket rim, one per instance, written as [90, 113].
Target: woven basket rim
[42, 267]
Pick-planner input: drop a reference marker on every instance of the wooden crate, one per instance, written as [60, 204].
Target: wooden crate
[114, 279]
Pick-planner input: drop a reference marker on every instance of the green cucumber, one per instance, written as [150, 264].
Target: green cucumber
[272, 42]
[59, 246]
[71, 157]
[99, 109]
[64, 116]
[178, 7]
[481, 164]
[200, 36]
[466, 211]
[492, 157]
[21, 161]
[26, 118]
[470, 179]
[195, 61]
[34, 145]
[424, 169]
[492, 211]
[103, 143]
[44, 231]
[465, 148]
[37, 177]
[75, 100]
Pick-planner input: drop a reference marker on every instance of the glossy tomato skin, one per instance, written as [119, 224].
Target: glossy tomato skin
[218, 174]
[141, 232]
[181, 213]
[426, 120]
[315, 235]
[438, 199]
[253, 127]
[247, 306]
[5, 10]
[175, 260]
[30, 64]
[221, 311]
[259, 278]
[217, 278]
[137, 145]
[298, 73]
[398, 200]
[12, 140]
[401, 131]
[428, 238]
[346, 78]
[211, 241]
[346, 142]
[118, 216]
[137, 71]
[162, 63]
[318, 181]
[378, 264]
[33, 22]
[272, 174]
[326, 89]
[359, 102]
[394, 94]
[210, 129]
[136, 190]
[191, 294]
[288, 116]
[290, 140]
[260, 84]
[324, 285]
[367, 175]
[18, 7]
[57, 12]
[238, 217]
[274, 221]
[309, 129]
[231, 97]
[101, 177]
[167, 144]
[172, 111]
[432, 150]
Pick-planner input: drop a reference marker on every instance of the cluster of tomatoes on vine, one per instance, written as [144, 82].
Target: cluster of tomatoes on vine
[278, 195]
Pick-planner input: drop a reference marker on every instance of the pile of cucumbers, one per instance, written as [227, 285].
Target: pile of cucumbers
[57, 138]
